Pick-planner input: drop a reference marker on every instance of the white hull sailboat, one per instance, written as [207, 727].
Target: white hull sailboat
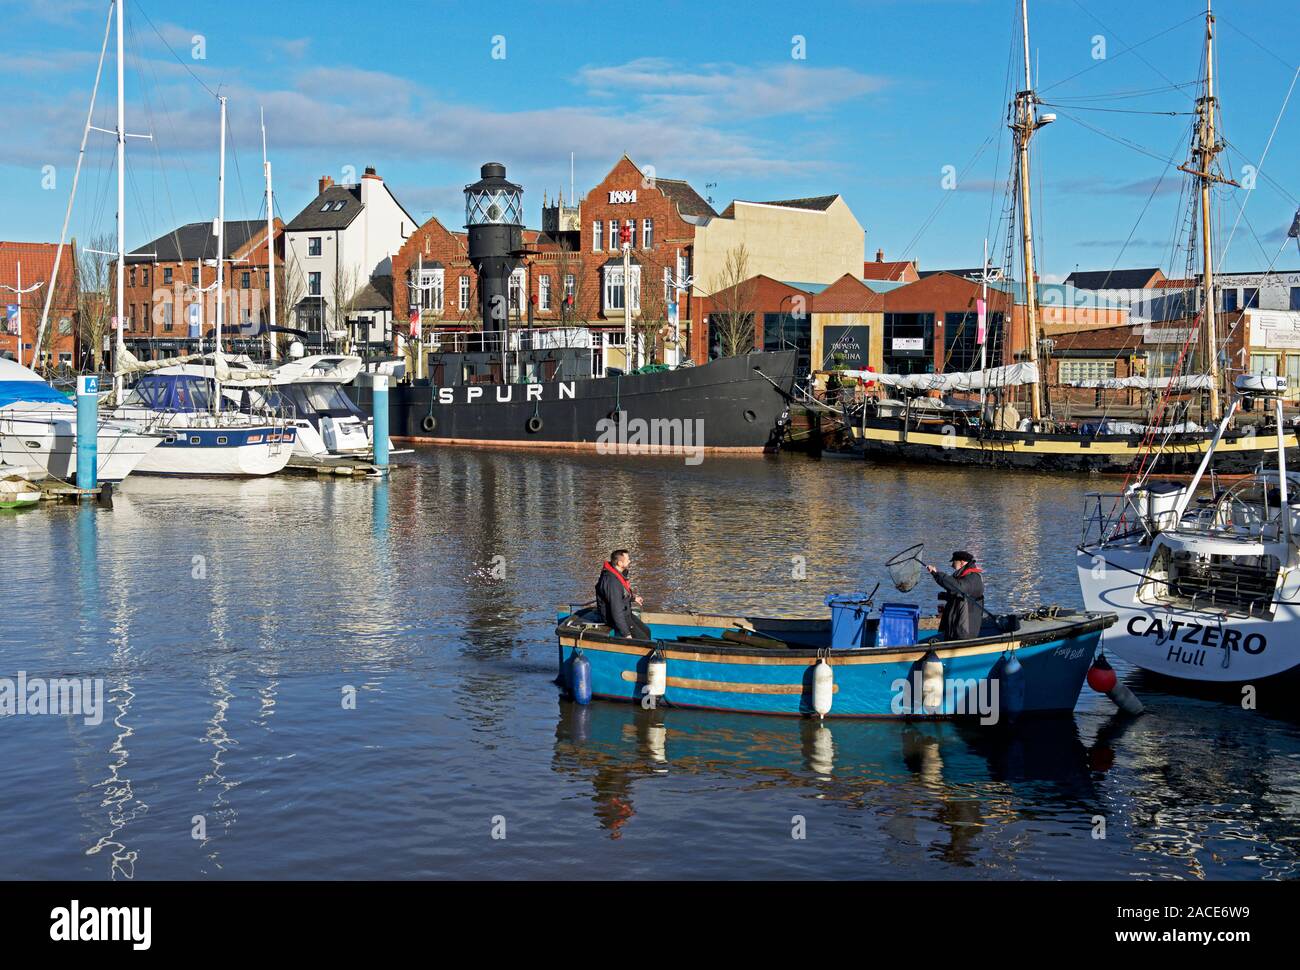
[38, 431]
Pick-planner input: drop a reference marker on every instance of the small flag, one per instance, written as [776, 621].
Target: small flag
[980, 312]
[1294, 232]
[14, 322]
[415, 322]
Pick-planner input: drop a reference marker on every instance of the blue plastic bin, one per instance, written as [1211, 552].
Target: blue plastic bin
[899, 623]
[849, 613]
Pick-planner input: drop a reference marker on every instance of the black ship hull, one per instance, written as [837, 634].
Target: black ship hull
[731, 404]
[891, 439]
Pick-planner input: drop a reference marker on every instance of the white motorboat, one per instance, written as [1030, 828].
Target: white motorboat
[38, 430]
[1206, 588]
[308, 393]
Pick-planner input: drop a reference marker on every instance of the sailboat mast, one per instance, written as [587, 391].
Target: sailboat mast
[221, 260]
[270, 244]
[1208, 148]
[119, 310]
[1024, 125]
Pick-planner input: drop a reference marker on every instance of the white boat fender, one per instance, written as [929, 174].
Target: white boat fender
[1012, 689]
[931, 683]
[1103, 679]
[823, 687]
[656, 675]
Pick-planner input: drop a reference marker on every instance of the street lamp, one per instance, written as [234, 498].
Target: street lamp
[18, 311]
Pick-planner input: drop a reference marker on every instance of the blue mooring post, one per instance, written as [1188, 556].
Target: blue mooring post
[87, 432]
[381, 423]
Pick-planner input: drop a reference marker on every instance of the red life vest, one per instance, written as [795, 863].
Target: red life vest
[621, 579]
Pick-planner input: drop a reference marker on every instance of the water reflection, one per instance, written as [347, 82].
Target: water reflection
[435, 592]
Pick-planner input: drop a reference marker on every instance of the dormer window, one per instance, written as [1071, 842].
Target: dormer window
[339, 205]
[325, 207]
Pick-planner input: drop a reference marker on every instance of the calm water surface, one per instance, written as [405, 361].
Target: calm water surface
[229, 620]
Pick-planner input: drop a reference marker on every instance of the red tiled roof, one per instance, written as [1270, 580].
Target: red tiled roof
[893, 270]
[848, 294]
[38, 264]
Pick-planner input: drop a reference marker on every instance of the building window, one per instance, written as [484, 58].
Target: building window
[313, 245]
[65, 327]
[961, 348]
[1295, 298]
[517, 290]
[570, 284]
[909, 343]
[144, 276]
[167, 315]
[130, 277]
[245, 280]
[647, 233]
[313, 284]
[613, 234]
[1229, 299]
[614, 288]
[431, 289]
[597, 235]
[787, 331]
[194, 276]
[544, 292]
[1252, 298]
[1078, 371]
[167, 276]
[464, 292]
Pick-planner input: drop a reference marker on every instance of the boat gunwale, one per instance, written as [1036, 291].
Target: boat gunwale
[1089, 622]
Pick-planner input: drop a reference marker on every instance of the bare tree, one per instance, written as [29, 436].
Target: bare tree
[343, 293]
[732, 292]
[93, 300]
[651, 322]
[289, 290]
[577, 311]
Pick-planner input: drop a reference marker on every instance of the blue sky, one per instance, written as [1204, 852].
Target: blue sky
[890, 92]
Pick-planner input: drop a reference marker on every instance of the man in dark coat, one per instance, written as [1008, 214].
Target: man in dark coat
[962, 598]
[614, 597]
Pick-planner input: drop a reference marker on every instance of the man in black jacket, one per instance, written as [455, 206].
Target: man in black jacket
[614, 597]
[962, 598]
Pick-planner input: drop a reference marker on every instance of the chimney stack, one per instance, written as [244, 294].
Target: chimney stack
[324, 183]
[370, 173]
[880, 255]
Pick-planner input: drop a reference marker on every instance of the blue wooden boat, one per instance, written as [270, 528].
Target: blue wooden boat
[1028, 663]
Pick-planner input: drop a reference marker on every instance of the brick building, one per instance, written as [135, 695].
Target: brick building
[170, 297]
[21, 266]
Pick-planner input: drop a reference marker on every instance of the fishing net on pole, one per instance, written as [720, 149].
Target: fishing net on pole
[905, 567]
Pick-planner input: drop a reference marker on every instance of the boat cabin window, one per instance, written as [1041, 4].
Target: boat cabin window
[171, 392]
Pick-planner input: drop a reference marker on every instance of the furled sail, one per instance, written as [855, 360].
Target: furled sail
[1008, 376]
[1188, 382]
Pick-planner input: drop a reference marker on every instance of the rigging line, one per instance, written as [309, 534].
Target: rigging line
[1135, 93]
[1278, 57]
[1123, 111]
[1267, 178]
[1133, 48]
[1115, 138]
[179, 60]
[947, 194]
[1006, 97]
[1132, 232]
[72, 195]
[1241, 208]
